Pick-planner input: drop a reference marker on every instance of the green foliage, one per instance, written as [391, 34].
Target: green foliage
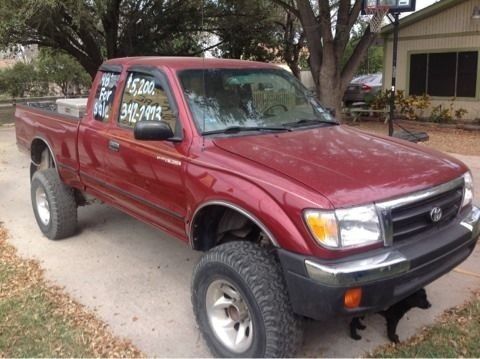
[63, 70]
[454, 335]
[256, 30]
[447, 114]
[373, 61]
[460, 113]
[441, 114]
[7, 113]
[244, 28]
[92, 30]
[39, 77]
[21, 80]
[37, 331]
[412, 107]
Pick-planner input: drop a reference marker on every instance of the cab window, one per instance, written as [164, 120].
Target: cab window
[144, 99]
[102, 108]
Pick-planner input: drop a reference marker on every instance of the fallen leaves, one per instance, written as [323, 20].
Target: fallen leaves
[19, 276]
[443, 139]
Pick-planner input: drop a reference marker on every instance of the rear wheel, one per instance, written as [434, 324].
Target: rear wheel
[241, 303]
[53, 204]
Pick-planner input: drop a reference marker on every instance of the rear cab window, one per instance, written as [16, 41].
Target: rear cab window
[104, 96]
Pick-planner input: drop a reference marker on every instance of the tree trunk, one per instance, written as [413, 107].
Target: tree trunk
[329, 84]
[331, 98]
[327, 47]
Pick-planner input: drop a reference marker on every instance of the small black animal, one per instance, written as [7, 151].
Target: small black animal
[394, 314]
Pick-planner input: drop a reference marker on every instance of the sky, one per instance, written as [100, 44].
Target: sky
[424, 3]
[421, 4]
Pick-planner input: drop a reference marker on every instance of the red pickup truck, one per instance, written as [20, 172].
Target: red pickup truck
[298, 215]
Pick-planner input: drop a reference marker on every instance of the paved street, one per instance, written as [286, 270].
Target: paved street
[138, 280]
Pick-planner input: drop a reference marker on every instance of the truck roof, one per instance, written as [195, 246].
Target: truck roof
[181, 63]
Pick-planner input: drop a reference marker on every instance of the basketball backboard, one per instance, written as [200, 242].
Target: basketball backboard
[395, 6]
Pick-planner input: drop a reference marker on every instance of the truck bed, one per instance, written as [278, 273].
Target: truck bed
[41, 120]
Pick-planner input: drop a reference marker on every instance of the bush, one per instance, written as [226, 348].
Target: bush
[447, 114]
[22, 79]
[63, 70]
[412, 107]
[35, 78]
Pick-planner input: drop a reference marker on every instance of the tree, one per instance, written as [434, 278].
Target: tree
[328, 25]
[255, 30]
[63, 70]
[92, 30]
[293, 41]
[244, 29]
[21, 79]
[373, 61]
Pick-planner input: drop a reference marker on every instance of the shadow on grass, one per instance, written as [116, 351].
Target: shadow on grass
[456, 334]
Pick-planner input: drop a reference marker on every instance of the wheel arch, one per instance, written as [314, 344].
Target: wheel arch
[218, 207]
[37, 147]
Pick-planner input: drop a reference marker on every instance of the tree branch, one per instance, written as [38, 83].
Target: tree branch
[354, 12]
[207, 48]
[357, 56]
[288, 7]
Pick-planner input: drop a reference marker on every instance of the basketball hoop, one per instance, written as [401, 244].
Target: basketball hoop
[378, 14]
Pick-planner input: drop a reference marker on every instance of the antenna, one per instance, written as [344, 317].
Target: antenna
[203, 77]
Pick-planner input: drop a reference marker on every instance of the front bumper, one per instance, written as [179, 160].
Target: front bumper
[386, 275]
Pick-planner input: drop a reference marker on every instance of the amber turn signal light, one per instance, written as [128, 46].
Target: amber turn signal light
[352, 298]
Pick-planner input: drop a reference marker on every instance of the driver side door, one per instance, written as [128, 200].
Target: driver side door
[147, 176]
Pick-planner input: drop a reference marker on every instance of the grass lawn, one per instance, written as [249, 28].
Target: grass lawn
[39, 320]
[6, 115]
[456, 334]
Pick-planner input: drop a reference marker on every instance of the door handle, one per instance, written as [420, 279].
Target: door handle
[113, 145]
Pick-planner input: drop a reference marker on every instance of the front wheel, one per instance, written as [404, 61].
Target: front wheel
[241, 303]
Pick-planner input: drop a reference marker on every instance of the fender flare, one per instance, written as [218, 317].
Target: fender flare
[234, 207]
[42, 139]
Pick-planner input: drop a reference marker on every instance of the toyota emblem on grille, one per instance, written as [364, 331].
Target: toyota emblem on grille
[436, 214]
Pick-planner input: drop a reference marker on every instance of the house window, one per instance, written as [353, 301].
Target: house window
[445, 74]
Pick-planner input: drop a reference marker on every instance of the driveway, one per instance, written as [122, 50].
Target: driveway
[137, 279]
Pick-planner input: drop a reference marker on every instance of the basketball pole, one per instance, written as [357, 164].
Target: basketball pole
[394, 71]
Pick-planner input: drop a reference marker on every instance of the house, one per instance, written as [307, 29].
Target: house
[438, 54]
[7, 63]
[8, 58]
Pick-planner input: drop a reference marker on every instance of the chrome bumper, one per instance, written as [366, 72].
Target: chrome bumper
[384, 266]
[472, 221]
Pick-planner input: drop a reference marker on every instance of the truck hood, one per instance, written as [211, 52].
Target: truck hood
[347, 166]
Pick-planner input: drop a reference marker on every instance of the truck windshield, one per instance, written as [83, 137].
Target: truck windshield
[222, 99]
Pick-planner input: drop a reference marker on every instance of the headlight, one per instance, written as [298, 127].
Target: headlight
[468, 189]
[344, 228]
[324, 228]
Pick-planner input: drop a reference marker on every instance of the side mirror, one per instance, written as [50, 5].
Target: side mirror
[152, 131]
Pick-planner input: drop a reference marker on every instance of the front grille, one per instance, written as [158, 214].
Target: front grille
[414, 218]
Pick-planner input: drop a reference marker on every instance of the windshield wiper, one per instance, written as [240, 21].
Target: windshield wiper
[237, 129]
[307, 122]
